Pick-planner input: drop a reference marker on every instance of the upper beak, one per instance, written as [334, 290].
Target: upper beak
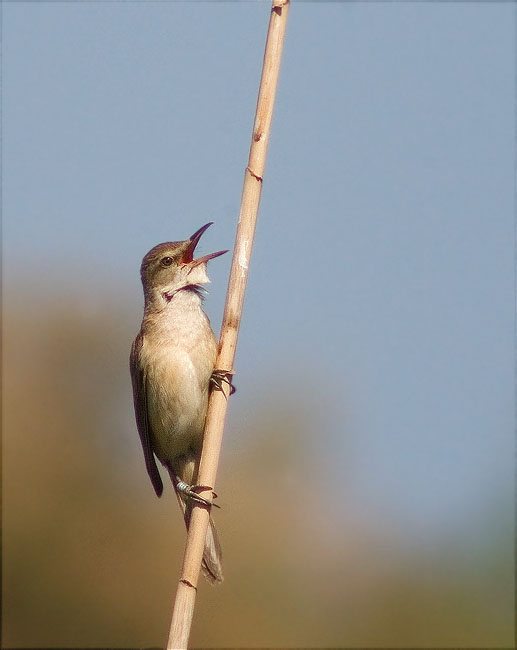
[188, 255]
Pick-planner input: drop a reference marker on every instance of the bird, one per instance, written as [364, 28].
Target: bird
[172, 369]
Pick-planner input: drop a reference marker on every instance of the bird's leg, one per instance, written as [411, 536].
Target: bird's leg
[190, 491]
[222, 376]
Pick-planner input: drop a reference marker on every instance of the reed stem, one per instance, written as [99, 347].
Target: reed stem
[214, 425]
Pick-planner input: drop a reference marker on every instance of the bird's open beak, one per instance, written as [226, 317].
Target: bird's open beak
[188, 255]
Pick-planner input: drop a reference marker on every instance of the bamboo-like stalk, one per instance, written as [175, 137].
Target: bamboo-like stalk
[186, 592]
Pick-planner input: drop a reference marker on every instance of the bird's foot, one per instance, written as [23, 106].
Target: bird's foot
[190, 491]
[220, 377]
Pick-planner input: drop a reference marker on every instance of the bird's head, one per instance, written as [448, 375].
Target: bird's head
[170, 267]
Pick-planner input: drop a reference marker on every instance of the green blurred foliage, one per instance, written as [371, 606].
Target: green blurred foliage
[91, 557]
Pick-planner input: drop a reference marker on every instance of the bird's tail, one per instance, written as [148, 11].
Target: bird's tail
[212, 555]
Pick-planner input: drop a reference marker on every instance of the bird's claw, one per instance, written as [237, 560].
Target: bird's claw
[190, 492]
[220, 377]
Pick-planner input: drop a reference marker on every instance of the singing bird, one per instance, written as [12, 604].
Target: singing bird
[172, 365]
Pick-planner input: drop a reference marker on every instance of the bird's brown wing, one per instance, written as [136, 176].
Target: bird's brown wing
[142, 420]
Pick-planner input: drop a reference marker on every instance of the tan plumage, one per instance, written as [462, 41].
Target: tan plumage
[172, 360]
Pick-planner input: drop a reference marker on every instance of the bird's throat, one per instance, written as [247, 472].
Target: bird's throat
[196, 289]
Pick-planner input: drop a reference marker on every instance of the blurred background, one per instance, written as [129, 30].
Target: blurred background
[367, 476]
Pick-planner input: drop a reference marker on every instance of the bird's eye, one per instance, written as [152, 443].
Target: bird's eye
[166, 261]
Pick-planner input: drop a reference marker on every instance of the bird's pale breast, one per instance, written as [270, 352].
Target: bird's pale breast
[178, 363]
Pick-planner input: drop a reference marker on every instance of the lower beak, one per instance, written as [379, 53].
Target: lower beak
[188, 256]
[205, 258]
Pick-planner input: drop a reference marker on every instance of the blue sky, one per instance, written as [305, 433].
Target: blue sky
[381, 289]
